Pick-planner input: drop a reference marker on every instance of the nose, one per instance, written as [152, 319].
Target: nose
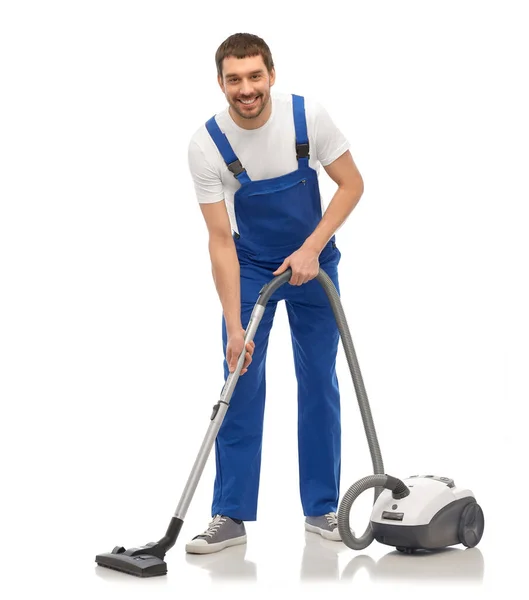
[246, 87]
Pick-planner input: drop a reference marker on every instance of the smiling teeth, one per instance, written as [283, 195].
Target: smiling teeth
[248, 101]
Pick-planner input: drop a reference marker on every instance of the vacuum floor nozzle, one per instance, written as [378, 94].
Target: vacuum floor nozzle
[145, 561]
[140, 565]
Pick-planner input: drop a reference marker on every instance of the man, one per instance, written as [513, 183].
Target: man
[255, 169]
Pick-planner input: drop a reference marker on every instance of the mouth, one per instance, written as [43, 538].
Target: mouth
[248, 102]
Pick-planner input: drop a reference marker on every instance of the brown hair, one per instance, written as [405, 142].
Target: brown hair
[242, 45]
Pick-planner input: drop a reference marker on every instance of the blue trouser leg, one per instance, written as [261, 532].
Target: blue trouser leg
[315, 339]
[239, 441]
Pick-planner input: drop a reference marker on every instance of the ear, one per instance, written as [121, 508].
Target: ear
[272, 77]
[221, 83]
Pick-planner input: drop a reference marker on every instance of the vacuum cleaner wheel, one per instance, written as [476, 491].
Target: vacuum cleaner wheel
[471, 525]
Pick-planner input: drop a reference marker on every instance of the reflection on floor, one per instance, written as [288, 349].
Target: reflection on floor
[324, 560]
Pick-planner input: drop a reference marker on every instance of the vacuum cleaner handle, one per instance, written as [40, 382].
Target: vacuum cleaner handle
[255, 318]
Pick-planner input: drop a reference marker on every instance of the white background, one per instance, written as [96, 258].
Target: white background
[111, 355]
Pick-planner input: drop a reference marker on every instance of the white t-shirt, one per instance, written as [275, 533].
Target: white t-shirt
[266, 152]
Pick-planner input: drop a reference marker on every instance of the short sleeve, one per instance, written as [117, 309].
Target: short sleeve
[207, 181]
[330, 141]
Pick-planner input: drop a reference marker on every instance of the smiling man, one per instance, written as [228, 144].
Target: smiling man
[255, 168]
[248, 94]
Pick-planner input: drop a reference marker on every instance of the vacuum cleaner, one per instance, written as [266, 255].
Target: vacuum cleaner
[421, 512]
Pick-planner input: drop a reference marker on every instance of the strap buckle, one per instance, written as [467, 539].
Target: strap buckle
[236, 167]
[302, 150]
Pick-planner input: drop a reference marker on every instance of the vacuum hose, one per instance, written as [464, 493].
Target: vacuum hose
[379, 481]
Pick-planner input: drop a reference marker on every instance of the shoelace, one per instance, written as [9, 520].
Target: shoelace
[218, 520]
[332, 519]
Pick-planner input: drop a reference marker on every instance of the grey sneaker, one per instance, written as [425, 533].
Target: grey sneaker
[221, 533]
[326, 526]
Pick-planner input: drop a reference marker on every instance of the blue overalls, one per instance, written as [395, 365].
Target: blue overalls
[274, 218]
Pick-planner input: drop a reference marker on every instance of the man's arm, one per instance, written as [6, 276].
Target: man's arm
[224, 263]
[226, 274]
[345, 174]
[304, 262]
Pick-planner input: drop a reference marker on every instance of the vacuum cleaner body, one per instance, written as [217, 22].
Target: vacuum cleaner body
[435, 514]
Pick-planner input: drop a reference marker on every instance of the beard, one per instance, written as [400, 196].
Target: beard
[262, 101]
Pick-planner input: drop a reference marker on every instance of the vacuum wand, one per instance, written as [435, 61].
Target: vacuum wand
[217, 416]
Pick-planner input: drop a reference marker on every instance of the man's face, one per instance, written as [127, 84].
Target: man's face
[246, 84]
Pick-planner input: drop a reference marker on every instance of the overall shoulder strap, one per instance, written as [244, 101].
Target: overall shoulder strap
[226, 151]
[300, 124]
